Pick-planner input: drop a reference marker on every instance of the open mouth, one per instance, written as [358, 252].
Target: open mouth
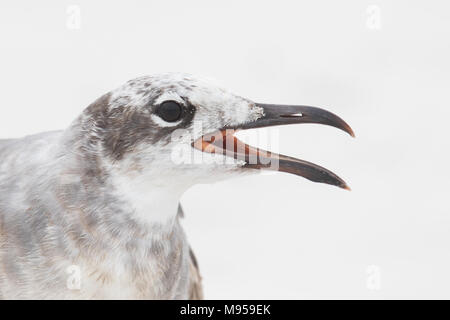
[224, 142]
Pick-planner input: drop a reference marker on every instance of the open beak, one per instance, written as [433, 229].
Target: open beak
[225, 143]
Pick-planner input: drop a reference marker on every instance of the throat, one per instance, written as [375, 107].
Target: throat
[151, 202]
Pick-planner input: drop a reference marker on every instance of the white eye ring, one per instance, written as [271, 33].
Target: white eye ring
[160, 122]
[169, 96]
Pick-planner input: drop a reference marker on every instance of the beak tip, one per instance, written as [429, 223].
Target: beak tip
[346, 187]
[352, 133]
[349, 130]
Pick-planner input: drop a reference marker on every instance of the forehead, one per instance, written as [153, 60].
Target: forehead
[171, 86]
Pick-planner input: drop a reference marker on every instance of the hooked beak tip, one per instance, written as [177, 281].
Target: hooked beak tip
[346, 187]
[350, 132]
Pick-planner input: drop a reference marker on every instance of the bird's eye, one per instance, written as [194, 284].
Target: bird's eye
[170, 111]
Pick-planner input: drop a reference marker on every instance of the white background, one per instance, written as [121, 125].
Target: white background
[381, 65]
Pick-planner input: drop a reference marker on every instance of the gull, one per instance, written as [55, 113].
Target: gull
[92, 211]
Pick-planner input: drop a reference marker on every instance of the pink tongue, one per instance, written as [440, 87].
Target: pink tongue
[225, 143]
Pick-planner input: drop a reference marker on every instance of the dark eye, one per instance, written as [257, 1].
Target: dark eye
[170, 111]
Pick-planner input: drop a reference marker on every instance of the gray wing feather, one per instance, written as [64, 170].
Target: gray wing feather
[196, 288]
[195, 279]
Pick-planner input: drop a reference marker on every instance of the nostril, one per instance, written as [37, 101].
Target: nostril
[294, 115]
